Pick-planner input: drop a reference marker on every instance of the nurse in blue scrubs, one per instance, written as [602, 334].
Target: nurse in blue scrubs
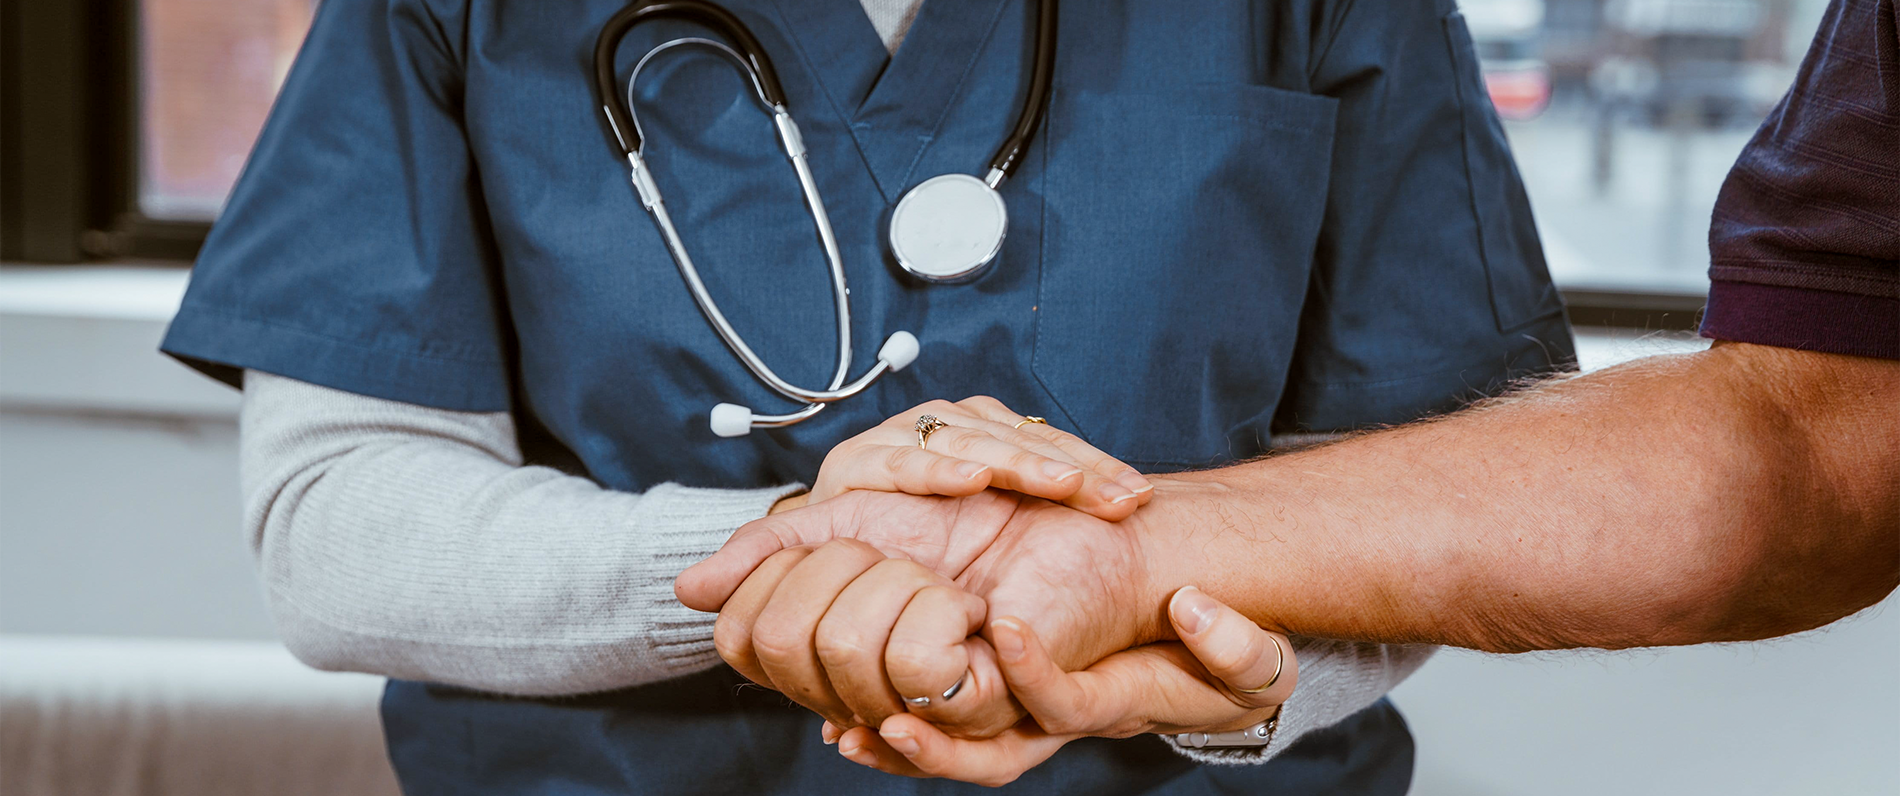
[1238, 220]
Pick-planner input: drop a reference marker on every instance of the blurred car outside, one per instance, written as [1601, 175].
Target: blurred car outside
[1508, 36]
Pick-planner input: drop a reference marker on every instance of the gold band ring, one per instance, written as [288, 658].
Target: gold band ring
[928, 425]
[1031, 419]
[1278, 665]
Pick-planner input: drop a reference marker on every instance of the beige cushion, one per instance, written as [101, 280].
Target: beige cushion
[85, 716]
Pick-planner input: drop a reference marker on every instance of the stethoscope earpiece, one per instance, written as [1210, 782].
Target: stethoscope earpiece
[733, 420]
[900, 349]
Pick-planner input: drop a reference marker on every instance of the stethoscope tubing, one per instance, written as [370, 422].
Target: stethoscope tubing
[607, 45]
[745, 50]
[1035, 103]
[670, 234]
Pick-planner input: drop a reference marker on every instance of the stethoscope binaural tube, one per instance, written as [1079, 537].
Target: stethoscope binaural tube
[731, 420]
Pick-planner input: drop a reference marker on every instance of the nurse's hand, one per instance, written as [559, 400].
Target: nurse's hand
[985, 445]
[848, 632]
[1197, 685]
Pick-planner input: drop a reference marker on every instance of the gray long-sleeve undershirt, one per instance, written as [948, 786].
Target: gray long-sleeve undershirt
[410, 542]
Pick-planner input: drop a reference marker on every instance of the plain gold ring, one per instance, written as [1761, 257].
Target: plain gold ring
[1030, 419]
[928, 425]
[1278, 665]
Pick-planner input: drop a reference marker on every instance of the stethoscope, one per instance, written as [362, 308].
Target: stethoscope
[948, 229]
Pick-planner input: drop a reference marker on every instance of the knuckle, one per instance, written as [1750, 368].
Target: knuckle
[1234, 659]
[730, 640]
[1057, 436]
[940, 595]
[892, 568]
[1024, 461]
[850, 548]
[1062, 724]
[895, 458]
[910, 660]
[777, 645]
[840, 645]
[980, 402]
[964, 441]
[931, 407]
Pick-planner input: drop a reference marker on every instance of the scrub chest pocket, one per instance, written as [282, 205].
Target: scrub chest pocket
[1179, 231]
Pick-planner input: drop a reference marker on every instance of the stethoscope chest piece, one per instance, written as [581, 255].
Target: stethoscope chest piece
[948, 229]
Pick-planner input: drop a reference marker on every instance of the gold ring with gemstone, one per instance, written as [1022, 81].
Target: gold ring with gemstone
[1031, 419]
[1278, 665]
[926, 426]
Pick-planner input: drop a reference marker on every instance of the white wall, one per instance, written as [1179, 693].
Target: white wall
[118, 516]
[118, 477]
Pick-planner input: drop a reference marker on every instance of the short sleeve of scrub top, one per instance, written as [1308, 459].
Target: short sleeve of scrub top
[1425, 212]
[361, 186]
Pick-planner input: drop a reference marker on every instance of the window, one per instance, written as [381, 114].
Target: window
[124, 123]
[210, 69]
[1625, 116]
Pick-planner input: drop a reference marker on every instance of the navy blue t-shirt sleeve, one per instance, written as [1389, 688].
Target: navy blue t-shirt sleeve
[354, 252]
[1805, 245]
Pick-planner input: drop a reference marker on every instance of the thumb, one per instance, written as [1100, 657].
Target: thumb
[1239, 653]
[707, 585]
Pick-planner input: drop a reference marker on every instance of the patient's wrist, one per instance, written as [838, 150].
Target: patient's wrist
[1175, 533]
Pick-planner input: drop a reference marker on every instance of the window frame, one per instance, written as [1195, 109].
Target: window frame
[70, 138]
[1625, 308]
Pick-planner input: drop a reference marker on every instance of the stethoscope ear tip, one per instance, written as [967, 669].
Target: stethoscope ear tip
[731, 420]
[900, 349]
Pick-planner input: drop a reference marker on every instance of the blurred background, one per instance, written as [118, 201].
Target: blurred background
[135, 656]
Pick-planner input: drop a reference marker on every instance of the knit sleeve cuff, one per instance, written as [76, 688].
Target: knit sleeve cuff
[688, 524]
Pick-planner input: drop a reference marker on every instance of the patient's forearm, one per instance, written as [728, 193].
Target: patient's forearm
[1738, 493]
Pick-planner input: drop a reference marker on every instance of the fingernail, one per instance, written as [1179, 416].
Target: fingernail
[1059, 471]
[1116, 493]
[1009, 641]
[1193, 610]
[902, 742]
[830, 733]
[971, 470]
[856, 754]
[1134, 482]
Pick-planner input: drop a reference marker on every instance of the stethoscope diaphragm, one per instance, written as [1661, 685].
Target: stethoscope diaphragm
[948, 229]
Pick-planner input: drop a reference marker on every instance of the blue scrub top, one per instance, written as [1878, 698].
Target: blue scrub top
[1238, 219]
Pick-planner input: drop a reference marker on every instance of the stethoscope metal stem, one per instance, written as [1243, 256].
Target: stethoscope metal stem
[656, 206]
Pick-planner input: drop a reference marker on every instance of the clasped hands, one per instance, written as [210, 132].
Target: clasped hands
[1007, 565]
